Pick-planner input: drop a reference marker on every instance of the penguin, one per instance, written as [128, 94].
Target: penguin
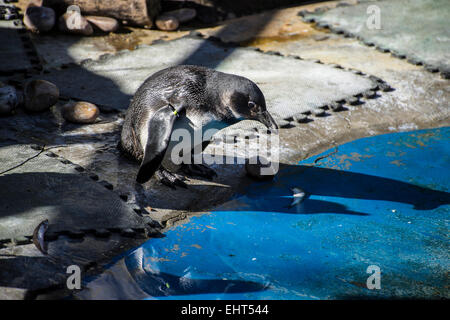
[189, 97]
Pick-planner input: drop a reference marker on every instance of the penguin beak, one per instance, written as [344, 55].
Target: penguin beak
[266, 119]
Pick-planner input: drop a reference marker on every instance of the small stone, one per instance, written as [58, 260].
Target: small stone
[105, 24]
[8, 100]
[80, 112]
[39, 19]
[40, 95]
[182, 15]
[167, 23]
[260, 168]
[73, 22]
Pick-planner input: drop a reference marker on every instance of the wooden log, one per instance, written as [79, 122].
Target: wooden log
[135, 12]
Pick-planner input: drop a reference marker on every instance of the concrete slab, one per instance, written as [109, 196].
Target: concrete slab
[417, 29]
[45, 188]
[113, 80]
[57, 50]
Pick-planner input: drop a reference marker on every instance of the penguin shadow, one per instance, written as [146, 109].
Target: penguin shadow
[277, 196]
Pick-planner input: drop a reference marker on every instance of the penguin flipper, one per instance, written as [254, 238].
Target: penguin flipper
[159, 131]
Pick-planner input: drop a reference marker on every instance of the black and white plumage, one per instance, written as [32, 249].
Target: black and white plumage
[191, 97]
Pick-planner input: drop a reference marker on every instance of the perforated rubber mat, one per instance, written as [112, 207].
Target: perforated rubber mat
[291, 86]
[46, 188]
[416, 29]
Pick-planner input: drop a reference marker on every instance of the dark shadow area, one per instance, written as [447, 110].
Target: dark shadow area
[197, 57]
[319, 181]
[212, 11]
[13, 56]
[68, 201]
[275, 195]
[31, 273]
[307, 206]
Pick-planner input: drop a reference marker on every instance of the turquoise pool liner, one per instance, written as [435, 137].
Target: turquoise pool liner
[380, 201]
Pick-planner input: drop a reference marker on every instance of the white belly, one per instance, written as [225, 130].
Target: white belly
[188, 135]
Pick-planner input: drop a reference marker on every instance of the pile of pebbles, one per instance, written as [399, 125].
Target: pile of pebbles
[40, 19]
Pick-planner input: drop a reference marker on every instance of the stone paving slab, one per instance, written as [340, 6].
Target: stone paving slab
[24, 269]
[113, 80]
[417, 29]
[45, 188]
[61, 49]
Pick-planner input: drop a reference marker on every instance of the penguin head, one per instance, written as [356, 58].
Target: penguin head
[248, 103]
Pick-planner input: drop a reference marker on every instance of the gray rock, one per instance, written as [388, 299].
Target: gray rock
[8, 100]
[80, 112]
[105, 24]
[39, 19]
[167, 23]
[74, 22]
[40, 95]
[259, 168]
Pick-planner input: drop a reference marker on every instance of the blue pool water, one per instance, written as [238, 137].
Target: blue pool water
[380, 201]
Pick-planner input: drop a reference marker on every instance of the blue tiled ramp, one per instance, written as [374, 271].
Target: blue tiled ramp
[380, 201]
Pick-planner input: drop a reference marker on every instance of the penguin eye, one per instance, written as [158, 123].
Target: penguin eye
[251, 104]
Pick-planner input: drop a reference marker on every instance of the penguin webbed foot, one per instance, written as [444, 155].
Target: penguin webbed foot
[198, 170]
[170, 179]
